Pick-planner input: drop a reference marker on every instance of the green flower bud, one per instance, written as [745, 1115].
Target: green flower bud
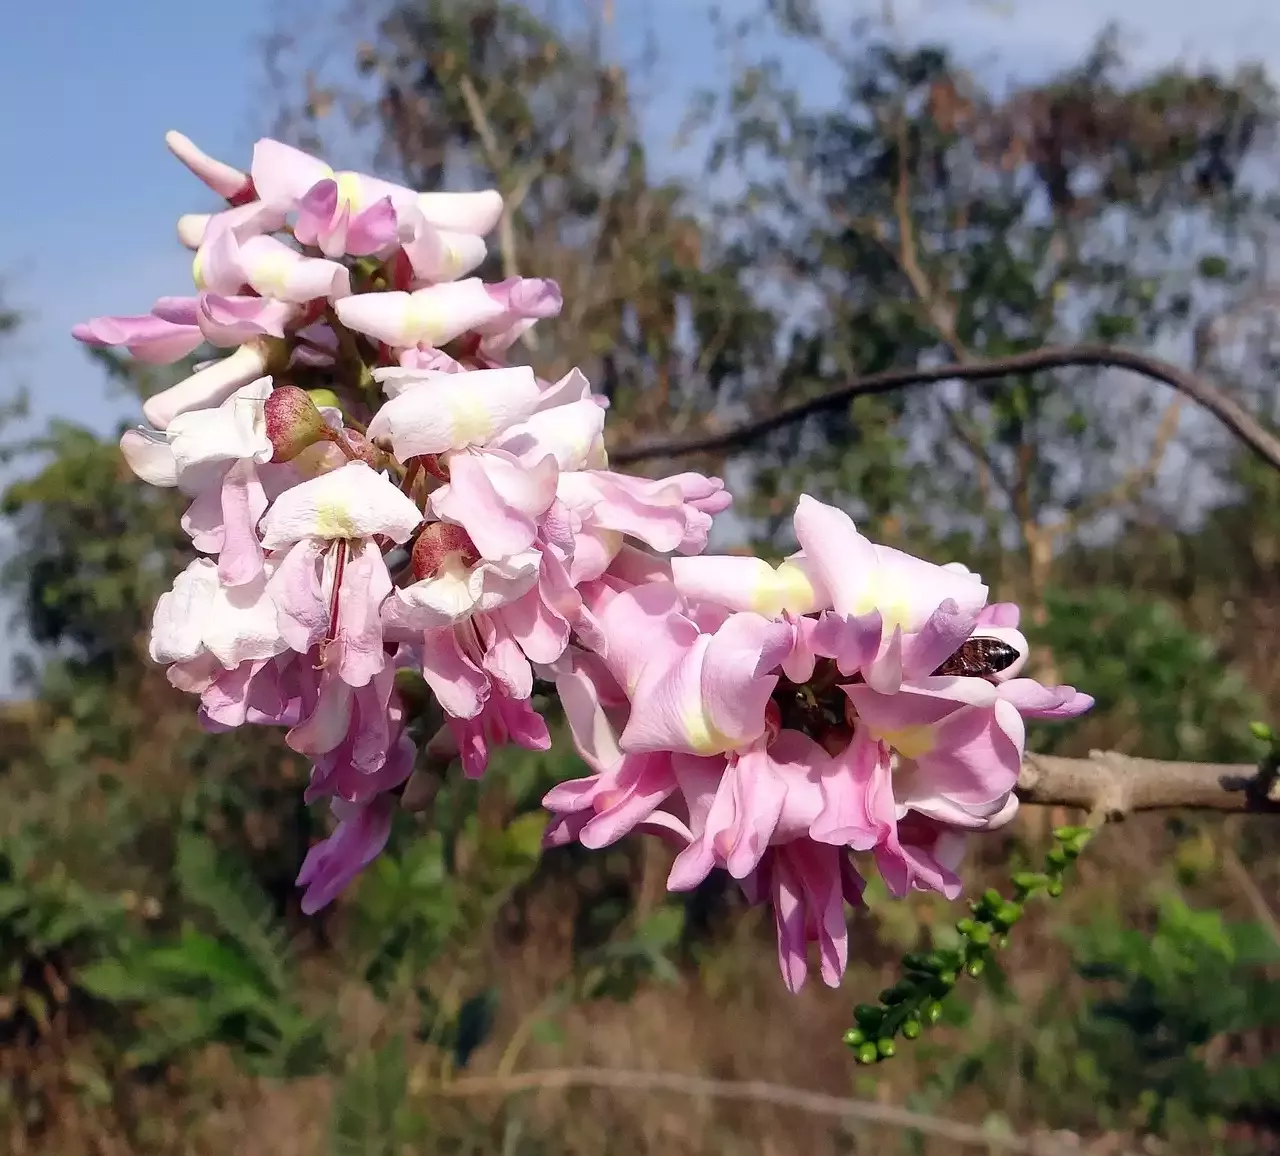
[1262, 732]
[975, 967]
[867, 1054]
[886, 1048]
[933, 1013]
[1055, 889]
[911, 1029]
[855, 1038]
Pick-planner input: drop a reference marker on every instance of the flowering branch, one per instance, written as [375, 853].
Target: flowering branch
[401, 538]
[1242, 424]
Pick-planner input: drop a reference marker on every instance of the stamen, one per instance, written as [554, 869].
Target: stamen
[335, 594]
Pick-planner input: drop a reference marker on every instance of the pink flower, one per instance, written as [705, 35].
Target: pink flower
[209, 386]
[225, 265]
[361, 834]
[147, 337]
[672, 514]
[224, 180]
[623, 789]
[708, 696]
[893, 616]
[214, 455]
[524, 301]
[433, 316]
[348, 212]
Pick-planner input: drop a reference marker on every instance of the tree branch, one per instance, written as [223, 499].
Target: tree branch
[1117, 785]
[1204, 393]
[759, 1092]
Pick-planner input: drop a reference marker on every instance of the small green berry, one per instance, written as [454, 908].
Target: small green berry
[1262, 732]
[886, 1048]
[1007, 915]
[867, 1054]
[855, 1038]
[911, 1029]
[981, 934]
[1055, 889]
[975, 967]
[933, 1013]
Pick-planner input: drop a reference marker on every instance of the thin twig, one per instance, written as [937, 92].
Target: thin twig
[755, 1091]
[1239, 875]
[1204, 393]
[499, 163]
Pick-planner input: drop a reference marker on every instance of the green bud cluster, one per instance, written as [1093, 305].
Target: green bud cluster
[915, 1001]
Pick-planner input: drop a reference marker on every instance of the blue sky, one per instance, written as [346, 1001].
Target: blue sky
[90, 87]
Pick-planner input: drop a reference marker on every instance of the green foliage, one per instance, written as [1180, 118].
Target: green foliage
[1172, 1037]
[233, 985]
[371, 1112]
[1153, 678]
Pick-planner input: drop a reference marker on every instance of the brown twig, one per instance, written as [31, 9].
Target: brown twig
[499, 163]
[1204, 393]
[759, 1092]
[1117, 785]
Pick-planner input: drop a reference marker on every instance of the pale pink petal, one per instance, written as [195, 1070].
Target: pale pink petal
[351, 502]
[365, 583]
[496, 500]
[224, 180]
[453, 411]
[209, 387]
[1033, 700]
[282, 174]
[461, 687]
[243, 504]
[297, 588]
[745, 583]
[475, 213]
[149, 338]
[358, 840]
[572, 434]
[149, 455]
[431, 316]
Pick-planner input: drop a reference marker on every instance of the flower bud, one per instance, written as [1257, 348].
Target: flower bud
[293, 422]
[436, 544]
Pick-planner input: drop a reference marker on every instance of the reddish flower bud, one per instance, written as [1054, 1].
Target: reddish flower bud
[436, 543]
[293, 422]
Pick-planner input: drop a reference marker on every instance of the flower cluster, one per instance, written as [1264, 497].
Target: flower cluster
[769, 721]
[380, 502]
